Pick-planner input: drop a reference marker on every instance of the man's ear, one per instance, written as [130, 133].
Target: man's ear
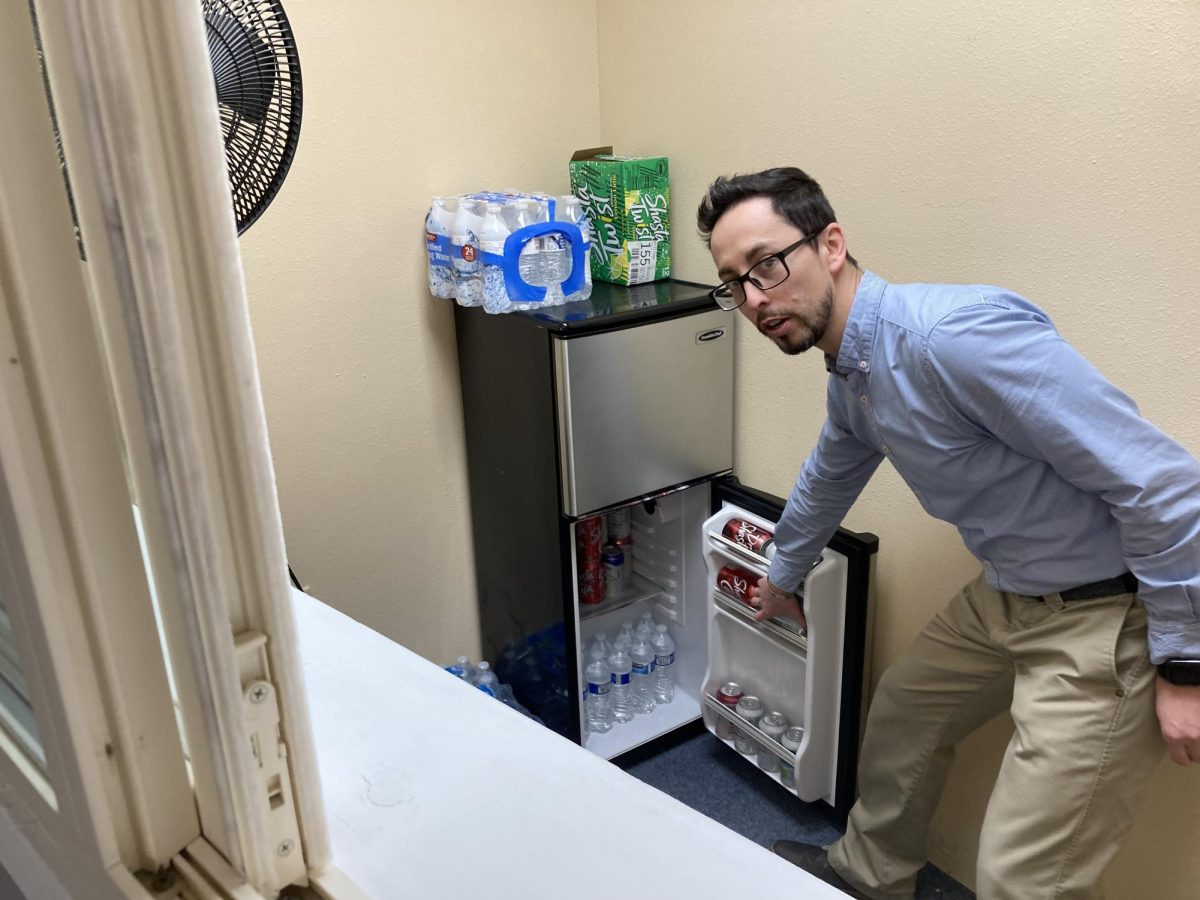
[834, 243]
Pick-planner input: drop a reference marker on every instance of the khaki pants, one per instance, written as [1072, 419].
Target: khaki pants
[1080, 687]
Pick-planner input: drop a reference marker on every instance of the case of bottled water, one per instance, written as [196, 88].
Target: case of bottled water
[508, 250]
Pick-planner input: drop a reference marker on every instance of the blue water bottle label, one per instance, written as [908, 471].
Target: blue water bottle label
[440, 249]
[600, 687]
[642, 668]
[662, 661]
[620, 679]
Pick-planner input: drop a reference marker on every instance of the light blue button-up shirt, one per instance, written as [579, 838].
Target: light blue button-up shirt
[1001, 428]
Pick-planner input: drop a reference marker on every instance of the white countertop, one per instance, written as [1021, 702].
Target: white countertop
[435, 790]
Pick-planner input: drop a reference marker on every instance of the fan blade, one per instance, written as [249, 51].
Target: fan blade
[243, 66]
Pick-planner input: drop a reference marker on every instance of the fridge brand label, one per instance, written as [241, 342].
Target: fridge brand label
[711, 335]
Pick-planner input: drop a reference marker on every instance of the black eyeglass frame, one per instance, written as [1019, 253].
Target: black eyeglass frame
[729, 286]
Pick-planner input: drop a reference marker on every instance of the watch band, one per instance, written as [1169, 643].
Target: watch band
[1180, 671]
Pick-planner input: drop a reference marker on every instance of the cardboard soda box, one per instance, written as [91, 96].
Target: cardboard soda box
[627, 199]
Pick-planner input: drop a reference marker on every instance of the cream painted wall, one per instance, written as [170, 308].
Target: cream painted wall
[358, 363]
[1051, 148]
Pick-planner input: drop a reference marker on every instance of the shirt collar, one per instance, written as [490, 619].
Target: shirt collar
[854, 355]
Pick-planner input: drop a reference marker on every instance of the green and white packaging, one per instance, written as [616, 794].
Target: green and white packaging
[627, 199]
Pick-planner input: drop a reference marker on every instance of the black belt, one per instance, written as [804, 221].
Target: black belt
[1119, 584]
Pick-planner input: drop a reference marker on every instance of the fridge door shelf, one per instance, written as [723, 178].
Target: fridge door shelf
[795, 641]
[639, 589]
[719, 709]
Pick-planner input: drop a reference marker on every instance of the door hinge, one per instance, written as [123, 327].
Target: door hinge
[260, 704]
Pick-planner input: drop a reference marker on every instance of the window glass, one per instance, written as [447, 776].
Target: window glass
[16, 711]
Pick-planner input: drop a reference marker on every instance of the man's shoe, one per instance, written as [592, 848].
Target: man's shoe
[815, 861]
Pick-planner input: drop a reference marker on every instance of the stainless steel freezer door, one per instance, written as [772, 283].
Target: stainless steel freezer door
[643, 408]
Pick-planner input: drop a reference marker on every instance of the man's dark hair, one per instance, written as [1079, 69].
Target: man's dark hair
[794, 195]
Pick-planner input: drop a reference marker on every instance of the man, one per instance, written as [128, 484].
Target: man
[1085, 622]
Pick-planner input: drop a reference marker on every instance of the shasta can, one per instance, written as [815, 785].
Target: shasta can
[757, 540]
[739, 583]
[791, 741]
[749, 708]
[589, 539]
[773, 725]
[591, 582]
[729, 695]
[620, 524]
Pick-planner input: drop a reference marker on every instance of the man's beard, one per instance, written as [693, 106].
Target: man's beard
[811, 328]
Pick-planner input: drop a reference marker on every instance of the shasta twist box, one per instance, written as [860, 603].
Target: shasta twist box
[627, 199]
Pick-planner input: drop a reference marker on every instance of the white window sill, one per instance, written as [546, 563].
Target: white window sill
[433, 789]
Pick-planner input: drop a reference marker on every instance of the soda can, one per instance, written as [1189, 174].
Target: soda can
[589, 539]
[757, 540]
[729, 695]
[773, 725]
[591, 582]
[791, 741]
[739, 583]
[749, 708]
[620, 524]
[615, 570]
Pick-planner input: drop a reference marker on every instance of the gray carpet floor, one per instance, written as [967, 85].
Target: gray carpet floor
[715, 780]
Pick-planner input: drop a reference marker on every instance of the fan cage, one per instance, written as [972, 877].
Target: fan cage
[257, 72]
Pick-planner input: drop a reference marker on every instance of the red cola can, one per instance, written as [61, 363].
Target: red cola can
[591, 582]
[738, 582]
[746, 534]
[730, 695]
[589, 539]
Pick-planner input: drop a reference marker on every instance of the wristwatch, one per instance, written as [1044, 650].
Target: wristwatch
[1180, 671]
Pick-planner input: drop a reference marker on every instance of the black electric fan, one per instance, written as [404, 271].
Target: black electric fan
[257, 72]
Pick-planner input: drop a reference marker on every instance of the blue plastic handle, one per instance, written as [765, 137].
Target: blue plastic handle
[518, 288]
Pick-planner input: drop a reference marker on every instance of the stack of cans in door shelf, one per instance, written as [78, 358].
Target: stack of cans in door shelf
[751, 710]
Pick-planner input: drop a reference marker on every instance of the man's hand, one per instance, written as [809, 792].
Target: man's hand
[1178, 707]
[771, 601]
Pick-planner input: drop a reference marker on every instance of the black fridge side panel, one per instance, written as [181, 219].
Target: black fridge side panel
[858, 548]
[506, 372]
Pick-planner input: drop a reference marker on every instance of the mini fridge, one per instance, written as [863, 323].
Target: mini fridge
[625, 401]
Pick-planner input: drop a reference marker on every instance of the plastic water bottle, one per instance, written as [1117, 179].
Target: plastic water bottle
[599, 705]
[572, 211]
[469, 672]
[664, 666]
[464, 236]
[530, 260]
[492, 235]
[601, 646]
[645, 628]
[642, 657]
[622, 691]
[624, 640]
[437, 233]
[487, 678]
[549, 256]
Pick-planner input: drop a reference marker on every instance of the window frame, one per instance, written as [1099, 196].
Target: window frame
[160, 312]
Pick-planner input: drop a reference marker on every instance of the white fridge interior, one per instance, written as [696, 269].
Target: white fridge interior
[668, 581]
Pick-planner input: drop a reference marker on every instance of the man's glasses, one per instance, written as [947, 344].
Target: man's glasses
[764, 275]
